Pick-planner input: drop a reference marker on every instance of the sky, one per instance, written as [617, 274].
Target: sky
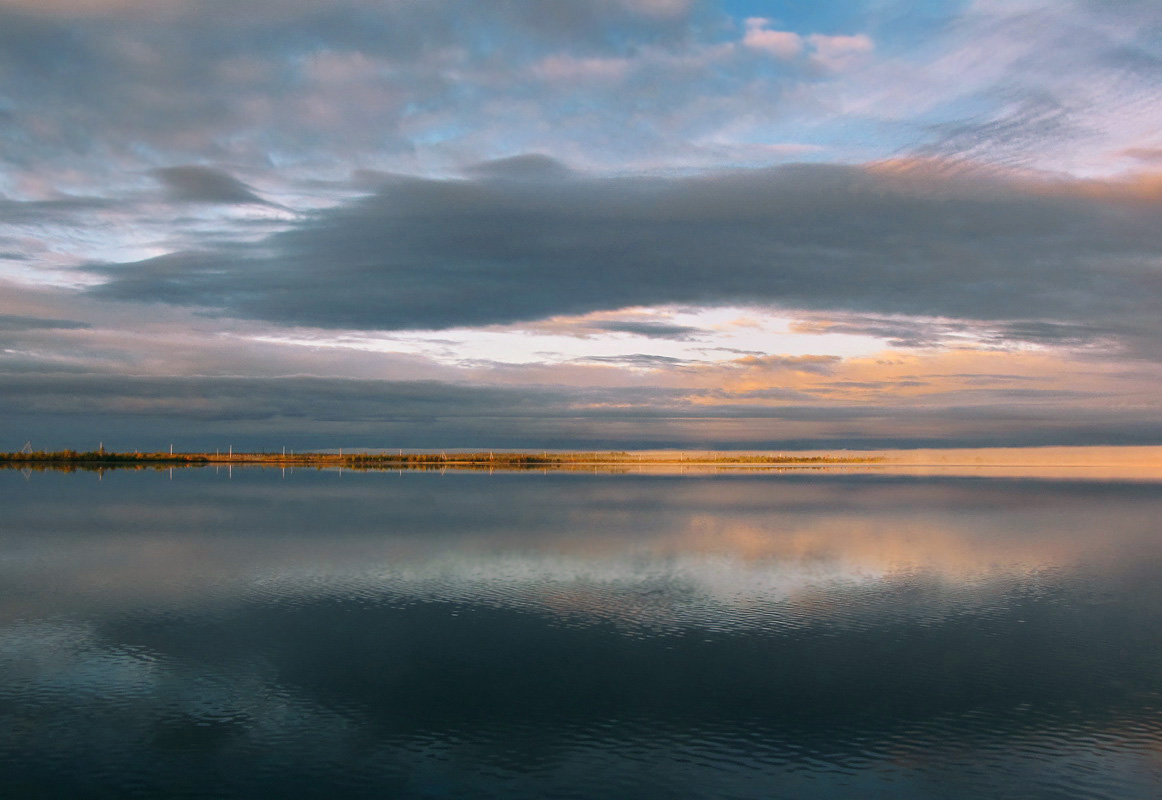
[580, 224]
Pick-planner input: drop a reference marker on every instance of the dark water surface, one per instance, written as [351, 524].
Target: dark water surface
[519, 635]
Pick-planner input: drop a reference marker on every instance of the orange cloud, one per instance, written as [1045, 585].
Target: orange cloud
[962, 376]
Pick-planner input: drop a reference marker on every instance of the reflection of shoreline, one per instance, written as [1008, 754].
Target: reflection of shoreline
[998, 472]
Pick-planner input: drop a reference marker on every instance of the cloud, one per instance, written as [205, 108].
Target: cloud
[1150, 155]
[828, 52]
[60, 410]
[637, 361]
[1068, 86]
[15, 322]
[528, 166]
[839, 52]
[652, 330]
[196, 184]
[920, 332]
[426, 87]
[400, 85]
[911, 239]
[776, 363]
[1009, 133]
[82, 8]
[59, 209]
[568, 68]
[785, 45]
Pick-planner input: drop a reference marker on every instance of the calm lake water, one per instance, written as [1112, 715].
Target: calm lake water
[516, 635]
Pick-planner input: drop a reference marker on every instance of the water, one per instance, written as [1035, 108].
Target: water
[753, 635]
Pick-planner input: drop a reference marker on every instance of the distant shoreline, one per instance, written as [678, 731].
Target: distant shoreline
[1133, 461]
[97, 459]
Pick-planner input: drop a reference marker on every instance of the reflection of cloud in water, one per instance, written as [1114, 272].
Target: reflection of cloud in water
[747, 636]
[733, 551]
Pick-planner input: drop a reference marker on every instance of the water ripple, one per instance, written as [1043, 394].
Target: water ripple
[582, 636]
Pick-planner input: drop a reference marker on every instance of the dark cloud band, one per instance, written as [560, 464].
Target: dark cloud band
[71, 410]
[1040, 258]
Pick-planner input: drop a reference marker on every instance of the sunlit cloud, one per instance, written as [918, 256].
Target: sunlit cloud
[782, 44]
